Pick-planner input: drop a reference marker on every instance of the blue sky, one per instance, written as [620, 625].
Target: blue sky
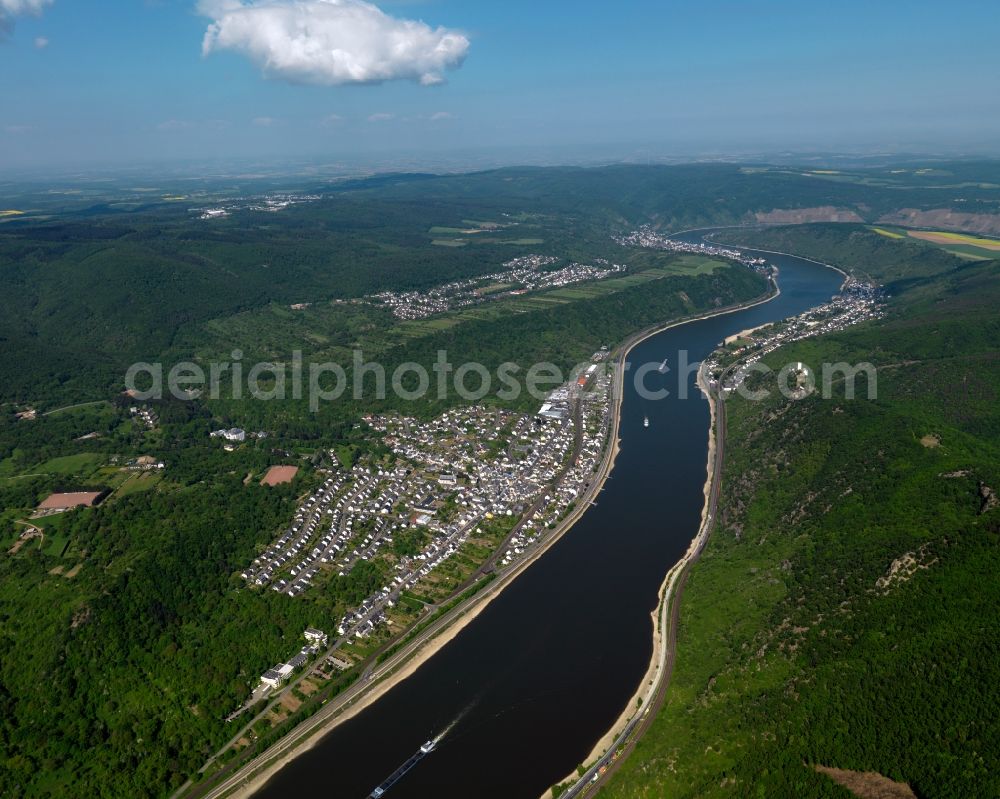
[128, 80]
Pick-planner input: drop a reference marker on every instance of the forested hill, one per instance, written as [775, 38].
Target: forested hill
[843, 614]
[854, 248]
[691, 195]
[131, 617]
[127, 618]
[96, 280]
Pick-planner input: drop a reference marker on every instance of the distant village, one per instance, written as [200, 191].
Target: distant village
[519, 276]
[646, 236]
[858, 301]
[269, 203]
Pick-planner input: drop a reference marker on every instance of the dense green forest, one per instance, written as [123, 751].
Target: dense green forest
[152, 591]
[843, 613]
[125, 635]
[564, 335]
[115, 680]
[133, 276]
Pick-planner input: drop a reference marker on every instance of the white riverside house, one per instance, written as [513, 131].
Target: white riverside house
[275, 676]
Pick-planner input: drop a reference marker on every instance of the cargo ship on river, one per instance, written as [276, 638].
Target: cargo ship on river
[399, 773]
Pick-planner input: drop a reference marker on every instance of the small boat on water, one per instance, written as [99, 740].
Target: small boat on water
[645, 421]
[663, 366]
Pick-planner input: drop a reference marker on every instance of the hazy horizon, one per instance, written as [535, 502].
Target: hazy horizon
[168, 81]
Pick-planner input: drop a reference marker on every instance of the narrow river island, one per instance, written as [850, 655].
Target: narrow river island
[547, 668]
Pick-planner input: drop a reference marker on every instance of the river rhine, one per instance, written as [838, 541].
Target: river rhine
[548, 666]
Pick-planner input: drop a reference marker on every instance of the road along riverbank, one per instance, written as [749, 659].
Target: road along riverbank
[552, 660]
[618, 742]
[403, 664]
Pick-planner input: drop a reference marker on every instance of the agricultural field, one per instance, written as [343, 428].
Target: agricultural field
[914, 177]
[960, 243]
[890, 234]
[137, 483]
[887, 259]
[697, 265]
[82, 465]
[963, 245]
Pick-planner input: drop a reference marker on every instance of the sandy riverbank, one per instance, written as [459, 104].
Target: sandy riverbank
[647, 687]
[394, 672]
[658, 660]
[661, 615]
[276, 760]
[744, 333]
[250, 785]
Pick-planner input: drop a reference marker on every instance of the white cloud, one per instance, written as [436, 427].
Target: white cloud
[331, 42]
[16, 8]
[442, 115]
[380, 117]
[264, 122]
[41, 42]
[331, 119]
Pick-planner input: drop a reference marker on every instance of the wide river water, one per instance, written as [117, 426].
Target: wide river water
[548, 666]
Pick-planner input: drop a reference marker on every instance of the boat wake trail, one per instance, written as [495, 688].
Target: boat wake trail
[451, 724]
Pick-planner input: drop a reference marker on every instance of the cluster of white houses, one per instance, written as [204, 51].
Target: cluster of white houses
[520, 275]
[450, 476]
[236, 435]
[593, 391]
[648, 237]
[290, 553]
[147, 416]
[858, 301]
[268, 202]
